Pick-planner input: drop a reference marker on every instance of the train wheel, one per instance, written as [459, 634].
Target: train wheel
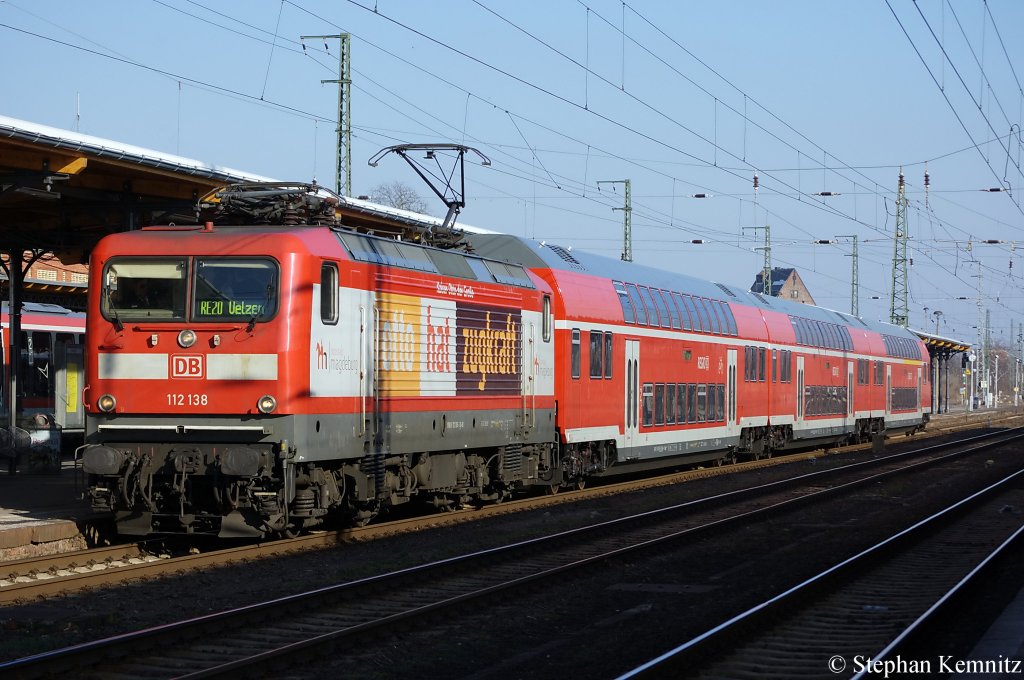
[290, 531]
[552, 489]
[580, 484]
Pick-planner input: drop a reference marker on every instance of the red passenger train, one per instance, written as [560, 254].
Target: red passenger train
[50, 363]
[254, 379]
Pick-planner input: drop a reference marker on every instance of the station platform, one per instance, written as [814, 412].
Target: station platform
[41, 513]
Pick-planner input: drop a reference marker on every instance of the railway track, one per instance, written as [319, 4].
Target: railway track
[283, 628]
[855, 618]
[46, 576]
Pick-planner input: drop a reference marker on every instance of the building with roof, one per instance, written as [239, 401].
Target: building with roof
[786, 283]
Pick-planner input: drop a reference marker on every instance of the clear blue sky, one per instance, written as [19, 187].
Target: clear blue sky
[690, 98]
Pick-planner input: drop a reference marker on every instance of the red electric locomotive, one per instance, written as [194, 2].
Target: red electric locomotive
[256, 379]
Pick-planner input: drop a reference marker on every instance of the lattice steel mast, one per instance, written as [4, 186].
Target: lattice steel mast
[898, 314]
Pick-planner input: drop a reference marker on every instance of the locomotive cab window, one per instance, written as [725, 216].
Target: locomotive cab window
[234, 289]
[144, 288]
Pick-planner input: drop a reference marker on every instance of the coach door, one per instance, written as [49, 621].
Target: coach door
[849, 389]
[799, 389]
[69, 362]
[632, 429]
[730, 397]
[888, 389]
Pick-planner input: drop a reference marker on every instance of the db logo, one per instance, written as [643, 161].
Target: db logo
[187, 366]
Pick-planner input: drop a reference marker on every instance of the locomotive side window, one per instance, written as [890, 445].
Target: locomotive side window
[451, 264]
[329, 293]
[511, 274]
[234, 289]
[546, 320]
[144, 288]
[575, 359]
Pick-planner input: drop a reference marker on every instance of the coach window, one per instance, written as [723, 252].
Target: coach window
[702, 402]
[608, 344]
[628, 314]
[648, 302]
[672, 311]
[638, 305]
[721, 402]
[775, 365]
[684, 315]
[670, 404]
[730, 319]
[596, 350]
[691, 403]
[716, 324]
[546, 320]
[659, 404]
[575, 352]
[329, 293]
[648, 404]
[681, 403]
[761, 361]
[35, 364]
[659, 301]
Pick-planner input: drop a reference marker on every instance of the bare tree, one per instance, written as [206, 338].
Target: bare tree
[398, 195]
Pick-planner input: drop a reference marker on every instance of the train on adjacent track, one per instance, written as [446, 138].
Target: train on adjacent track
[256, 379]
[48, 413]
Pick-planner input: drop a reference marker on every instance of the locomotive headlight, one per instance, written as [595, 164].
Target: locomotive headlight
[187, 338]
[266, 404]
[106, 403]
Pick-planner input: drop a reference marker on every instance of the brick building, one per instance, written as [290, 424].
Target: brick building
[786, 283]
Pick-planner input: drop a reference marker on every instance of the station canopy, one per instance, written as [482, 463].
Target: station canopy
[61, 191]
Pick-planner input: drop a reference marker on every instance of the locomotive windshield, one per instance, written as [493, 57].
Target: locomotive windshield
[234, 289]
[145, 289]
[224, 289]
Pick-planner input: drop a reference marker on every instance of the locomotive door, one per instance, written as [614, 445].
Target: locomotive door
[799, 389]
[369, 337]
[632, 429]
[730, 398]
[529, 363]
